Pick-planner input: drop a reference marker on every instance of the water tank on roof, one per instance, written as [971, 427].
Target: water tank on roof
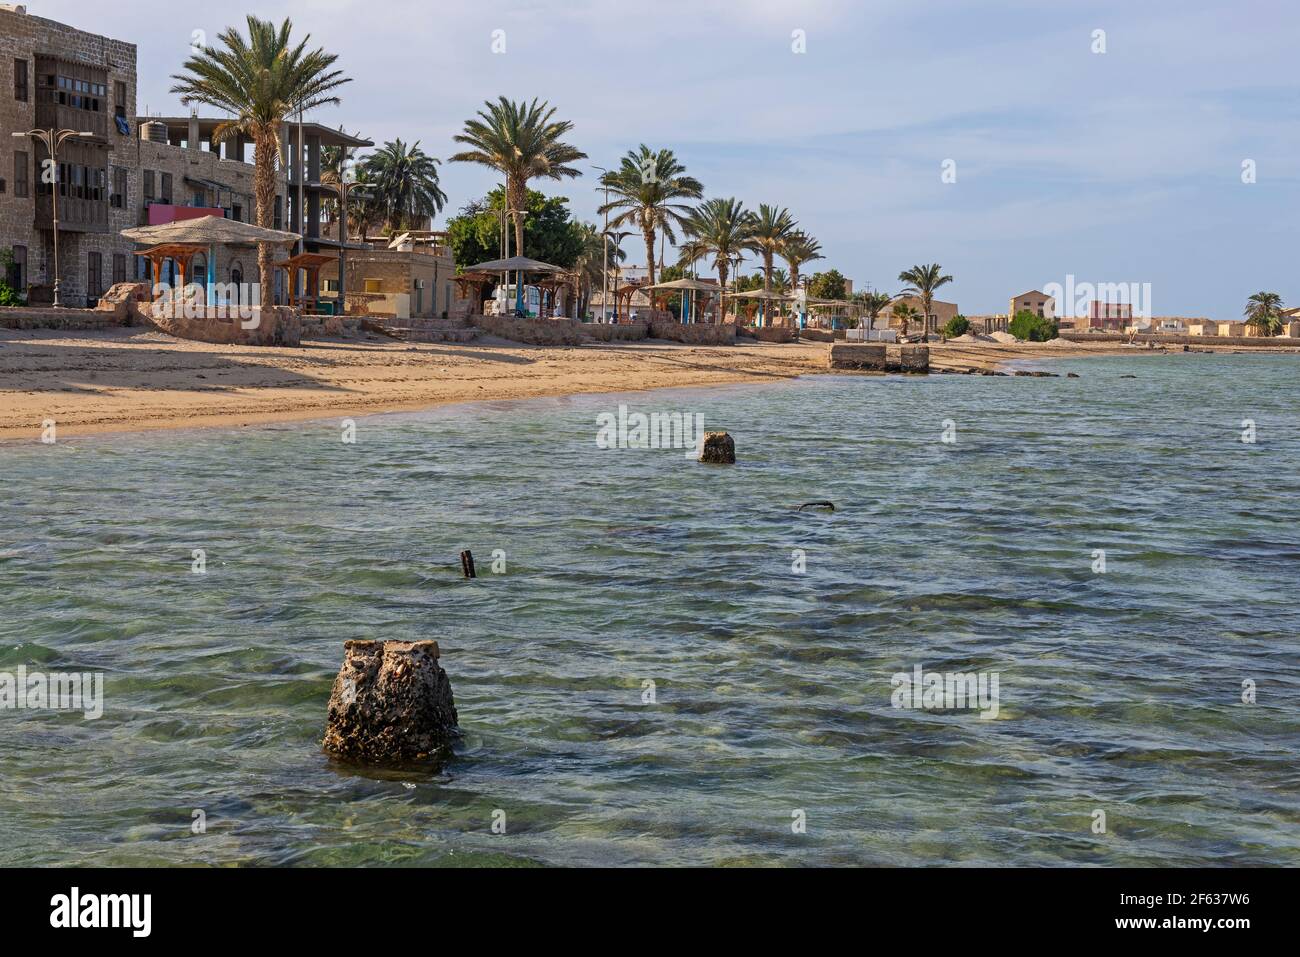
[155, 132]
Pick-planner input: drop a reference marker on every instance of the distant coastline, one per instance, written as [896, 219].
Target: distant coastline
[129, 380]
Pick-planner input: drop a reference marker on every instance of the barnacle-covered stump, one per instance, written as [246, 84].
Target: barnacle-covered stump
[391, 704]
[719, 448]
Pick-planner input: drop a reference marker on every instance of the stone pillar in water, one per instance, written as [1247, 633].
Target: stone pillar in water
[391, 703]
[719, 448]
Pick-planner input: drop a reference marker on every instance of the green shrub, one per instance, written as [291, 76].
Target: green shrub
[1028, 327]
[956, 326]
[8, 297]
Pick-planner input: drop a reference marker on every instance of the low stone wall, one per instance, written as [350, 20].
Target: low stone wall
[277, 326]
[817, 335]
[695, 333]
[47, 317]
[620, 332]
[878, 358]
[772, 333]
[557, 332]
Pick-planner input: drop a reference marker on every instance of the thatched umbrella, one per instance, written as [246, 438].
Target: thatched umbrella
[208, 231]
[516, 264]
[764, 297]
[686, 285]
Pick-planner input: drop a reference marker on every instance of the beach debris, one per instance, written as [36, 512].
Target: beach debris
[718, 448]
[1072, 375]
[467, 564]
[829, 506]
[391, 703]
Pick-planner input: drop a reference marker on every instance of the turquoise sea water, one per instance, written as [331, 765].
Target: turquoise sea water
[1119, 691]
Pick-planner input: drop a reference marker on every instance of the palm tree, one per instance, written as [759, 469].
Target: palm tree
[905, 313]
[590, 264]
[406, 184]
[922, 281]
[1264, 313]
[259, 81]
[722, 228]
[772, 227]
[873, 304]
[797, 249]
[645, 190]
[522, 141]
[780, 280]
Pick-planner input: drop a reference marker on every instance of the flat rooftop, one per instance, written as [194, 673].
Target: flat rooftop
[329, 136]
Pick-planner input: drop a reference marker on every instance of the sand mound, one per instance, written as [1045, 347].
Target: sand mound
[1002, 337]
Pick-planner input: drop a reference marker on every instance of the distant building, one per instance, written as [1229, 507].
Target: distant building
[1106, 316]
[1039, 303]
[940, 312]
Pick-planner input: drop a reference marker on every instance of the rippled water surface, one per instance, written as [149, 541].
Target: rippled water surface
[1119, 692]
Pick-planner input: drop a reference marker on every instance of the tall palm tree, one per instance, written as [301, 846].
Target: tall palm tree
[406, 184]
[1264, 313]
[722, 227]
[259, 81]
[922, 281]
[646, 190]
[797, 249]
[772, 227]
[522, 141]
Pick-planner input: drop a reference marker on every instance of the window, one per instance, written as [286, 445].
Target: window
[279, 213]
[20, 80]
[20, 175]
[94, 275]
[148, 185]
[17, 273]
[119, 188]
[200, 198]
[119, 268]
[166, 187]
[119, 98]
[237, 213]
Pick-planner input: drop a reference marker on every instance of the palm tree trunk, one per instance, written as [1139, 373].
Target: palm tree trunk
[722, 287]
[265, 146]
[649, 235]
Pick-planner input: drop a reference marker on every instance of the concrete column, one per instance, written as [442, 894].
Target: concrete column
[192, 137]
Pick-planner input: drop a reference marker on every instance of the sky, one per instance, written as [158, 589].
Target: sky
[1123, 166]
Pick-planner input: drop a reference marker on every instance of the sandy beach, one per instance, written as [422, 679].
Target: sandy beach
[133, 379]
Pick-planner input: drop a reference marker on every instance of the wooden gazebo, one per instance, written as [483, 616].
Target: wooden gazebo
[311, 264]
[180, 253]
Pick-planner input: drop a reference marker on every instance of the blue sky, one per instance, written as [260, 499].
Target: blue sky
[1123, 166]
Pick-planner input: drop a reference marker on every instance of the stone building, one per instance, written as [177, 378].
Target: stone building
[131, 171]
[63, 78]
[411, 276]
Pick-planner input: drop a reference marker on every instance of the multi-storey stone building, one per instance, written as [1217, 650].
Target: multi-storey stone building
[132, 171]
[64, 78]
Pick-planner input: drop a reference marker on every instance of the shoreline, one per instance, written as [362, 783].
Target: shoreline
[139, 380]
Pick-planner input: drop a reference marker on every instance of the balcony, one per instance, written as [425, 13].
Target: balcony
[75, 215]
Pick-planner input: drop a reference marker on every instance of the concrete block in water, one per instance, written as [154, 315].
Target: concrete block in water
[719, 448]
[854, 355]
[391, 703]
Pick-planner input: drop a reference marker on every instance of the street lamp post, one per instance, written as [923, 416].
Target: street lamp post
[53, 139]
[604, 248]
[347, 183]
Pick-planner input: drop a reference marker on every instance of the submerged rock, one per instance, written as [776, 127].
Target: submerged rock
[391, 704]
[719, 448]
